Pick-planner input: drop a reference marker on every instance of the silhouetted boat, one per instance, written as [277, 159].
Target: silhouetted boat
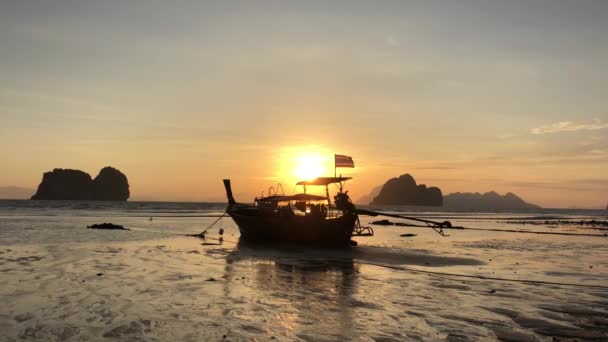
[301, 218]
[308, 219]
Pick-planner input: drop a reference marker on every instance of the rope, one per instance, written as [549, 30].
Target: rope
[181, 215]
[213, 224]
[204, 237]
[479, 277]
[511, 231]
[530, 232]
[221, 239]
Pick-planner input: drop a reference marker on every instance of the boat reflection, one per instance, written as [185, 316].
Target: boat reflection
[300, 292]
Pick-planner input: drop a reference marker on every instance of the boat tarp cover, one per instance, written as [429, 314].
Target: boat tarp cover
[296, 197]
[324, 181]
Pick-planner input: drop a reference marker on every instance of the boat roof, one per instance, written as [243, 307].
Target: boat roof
[296, 197]
[324, 181]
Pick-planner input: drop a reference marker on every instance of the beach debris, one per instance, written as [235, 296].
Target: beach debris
[99, 274]
[200, 235]
[107, 226]
[211, 279]
[408, 235]
[384, 222]
[23, 317]
[492, 291]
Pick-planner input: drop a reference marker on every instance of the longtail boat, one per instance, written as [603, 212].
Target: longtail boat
[300, 218]
[308, 219]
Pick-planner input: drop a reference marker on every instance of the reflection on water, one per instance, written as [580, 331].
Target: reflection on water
[313, 289]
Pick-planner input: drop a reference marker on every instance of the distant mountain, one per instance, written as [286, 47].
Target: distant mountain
[66, 184]
[405, 191]
[15, 192]
[489, 200]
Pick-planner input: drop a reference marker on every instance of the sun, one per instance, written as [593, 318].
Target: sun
[308, 166]
[297, 163]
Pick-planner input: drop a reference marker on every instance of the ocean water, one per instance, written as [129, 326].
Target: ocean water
[62, 282]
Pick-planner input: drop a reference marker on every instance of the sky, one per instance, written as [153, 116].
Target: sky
[469, 96]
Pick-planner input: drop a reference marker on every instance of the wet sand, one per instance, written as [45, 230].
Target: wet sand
[186, 289]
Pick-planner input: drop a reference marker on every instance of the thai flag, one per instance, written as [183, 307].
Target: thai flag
[344, 161]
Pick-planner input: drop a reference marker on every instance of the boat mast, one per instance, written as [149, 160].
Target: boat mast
[335, 176]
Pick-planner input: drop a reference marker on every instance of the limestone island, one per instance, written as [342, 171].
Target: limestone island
[489, 200]
[66, 184]
[404, 191]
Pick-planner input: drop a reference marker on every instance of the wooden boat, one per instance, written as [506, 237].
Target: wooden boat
[301, 218]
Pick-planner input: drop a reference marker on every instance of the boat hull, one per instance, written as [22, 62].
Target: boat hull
[307, 230]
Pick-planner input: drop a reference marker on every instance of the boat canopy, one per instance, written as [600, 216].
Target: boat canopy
[296, 197]
[324, 181]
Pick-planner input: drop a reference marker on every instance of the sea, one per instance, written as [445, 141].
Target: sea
[500, 281]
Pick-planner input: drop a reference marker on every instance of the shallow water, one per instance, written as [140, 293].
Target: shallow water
[156, 285]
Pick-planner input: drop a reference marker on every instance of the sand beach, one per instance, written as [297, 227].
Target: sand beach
[63, 282]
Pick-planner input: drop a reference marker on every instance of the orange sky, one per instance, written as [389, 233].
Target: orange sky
[478, 96]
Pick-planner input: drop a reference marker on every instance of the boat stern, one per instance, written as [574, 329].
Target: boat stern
[228, 188]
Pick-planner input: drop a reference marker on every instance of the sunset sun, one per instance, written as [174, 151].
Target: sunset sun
[308, 166]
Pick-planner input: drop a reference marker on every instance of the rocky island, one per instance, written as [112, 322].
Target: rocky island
[404, 191]
[488, 200]
[66, 184]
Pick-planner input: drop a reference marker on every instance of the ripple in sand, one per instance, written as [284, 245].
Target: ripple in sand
[133, 329]
[23, 317]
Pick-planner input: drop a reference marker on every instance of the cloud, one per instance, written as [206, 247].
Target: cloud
[570, 126]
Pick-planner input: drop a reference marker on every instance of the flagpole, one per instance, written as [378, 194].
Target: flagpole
[334, 166]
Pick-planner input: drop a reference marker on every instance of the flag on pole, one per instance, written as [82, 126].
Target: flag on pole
[344, 161]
